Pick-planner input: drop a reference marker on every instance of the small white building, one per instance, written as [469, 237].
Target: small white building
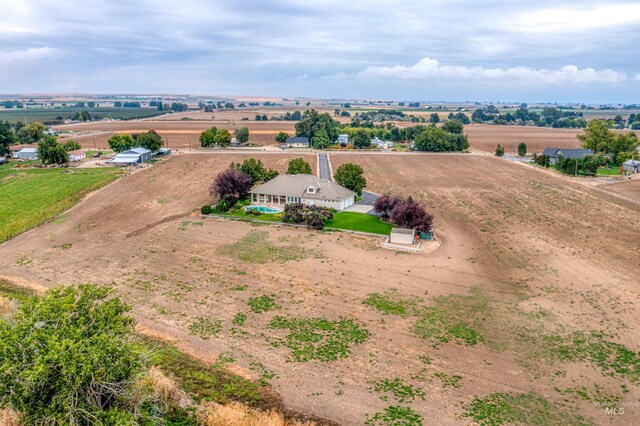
[133, 156]
[27, 154]
[302, 188]
[75, 156]
[379, 143]
[402, 236]
[343, 140]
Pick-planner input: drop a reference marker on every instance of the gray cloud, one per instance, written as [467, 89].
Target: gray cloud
[358, 48]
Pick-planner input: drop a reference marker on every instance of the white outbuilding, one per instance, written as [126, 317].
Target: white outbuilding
[133, 156]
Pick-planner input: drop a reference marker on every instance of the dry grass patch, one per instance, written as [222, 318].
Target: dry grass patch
[235, 414]
[255, 247]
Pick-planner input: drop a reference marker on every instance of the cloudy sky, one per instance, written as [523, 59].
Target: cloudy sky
[586, 51]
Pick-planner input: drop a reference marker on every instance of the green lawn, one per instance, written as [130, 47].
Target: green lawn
[359, 222]
[613, 170]
[31, 196]
[349, 221]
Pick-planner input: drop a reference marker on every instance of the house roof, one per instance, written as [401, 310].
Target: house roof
[29, 150]
[567, 152]
[632, 162]
[296, 186]
[298, 140]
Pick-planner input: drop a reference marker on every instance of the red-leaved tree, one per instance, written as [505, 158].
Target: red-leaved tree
[411, 214]
[385, 204]
[231, 185]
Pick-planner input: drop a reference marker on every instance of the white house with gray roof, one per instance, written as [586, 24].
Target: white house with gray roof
[302, 188]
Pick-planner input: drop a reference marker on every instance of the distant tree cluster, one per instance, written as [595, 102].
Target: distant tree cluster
[118, 104]
[322, 129]
[214, 137]
[150, 140]
[548, 117]
[449, 137]
[405, 213]
[366, 119]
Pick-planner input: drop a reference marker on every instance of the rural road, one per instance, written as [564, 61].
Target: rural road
[323, 166]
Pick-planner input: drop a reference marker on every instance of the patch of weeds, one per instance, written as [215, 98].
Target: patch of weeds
[263, 304]
[399, 390]
[65, 246]
[242, 287]
[395, 416]
[613, 358]
[239, 319]
[596, 394]
[448, 380]
[263, 372]
[391, 303]
[197, 224]
[223, 359]
[256, 248]
[525, 408]
[453, 318]
[436, 324]
[24, 261]
[14, 292]
[319, 338]
[210, 382]
[184, 225]
[205, 327]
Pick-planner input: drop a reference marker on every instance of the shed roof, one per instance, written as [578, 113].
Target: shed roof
[123, 157]
[632, 162]
[28, 150]
[138, 150]
[296, 186]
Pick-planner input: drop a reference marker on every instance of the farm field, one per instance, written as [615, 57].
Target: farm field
[627, 188]
[31, 196]
[524, 303]
[50, 114]
[179, 134]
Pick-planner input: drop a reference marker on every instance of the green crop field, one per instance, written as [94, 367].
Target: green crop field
[31, 196]
[57, 115]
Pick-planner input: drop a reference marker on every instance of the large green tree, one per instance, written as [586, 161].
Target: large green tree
[223, 138]
[208, 137]
[361, 139]
[150, 140]
[282, 137]
[299, 166]
[313, 122]
[7, 137]
[119, 143]
[68, 358]
[31, 133]
[351, 176]
[242, 135]
[597, 137]
[254, 169]
[624, 146]
[52, 152]
[321, 140]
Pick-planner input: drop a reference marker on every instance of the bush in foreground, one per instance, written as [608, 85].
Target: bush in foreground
[68, 358]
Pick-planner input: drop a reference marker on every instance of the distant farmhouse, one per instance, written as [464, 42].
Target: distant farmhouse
[297, 142]
[632, 166]
[133, 156]
[302, 188]
[343, 140]
[572, 153]
[3, 160]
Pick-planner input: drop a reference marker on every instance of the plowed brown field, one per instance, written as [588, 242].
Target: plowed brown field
[521, 251]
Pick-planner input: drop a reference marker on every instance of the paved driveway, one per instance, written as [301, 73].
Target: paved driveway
[323, 161]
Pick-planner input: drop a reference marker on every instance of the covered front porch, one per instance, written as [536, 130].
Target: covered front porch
[279, 200]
